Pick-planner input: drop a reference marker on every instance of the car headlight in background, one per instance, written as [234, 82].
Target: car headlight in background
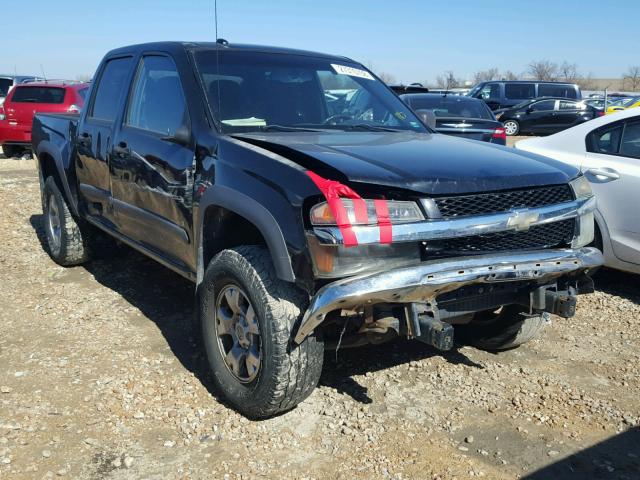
[399, 212]
[581, 187]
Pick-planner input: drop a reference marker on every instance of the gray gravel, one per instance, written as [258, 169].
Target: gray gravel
[100, 377]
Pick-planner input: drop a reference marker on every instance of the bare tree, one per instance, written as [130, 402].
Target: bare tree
[543, 70]
[448, 80]
[631, 78]
[386, 77]
[486, 75]
[509, 75]
[568, 72]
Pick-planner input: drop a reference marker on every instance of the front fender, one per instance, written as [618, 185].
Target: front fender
[258, 215]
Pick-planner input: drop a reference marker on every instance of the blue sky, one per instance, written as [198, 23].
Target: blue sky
[413, 40]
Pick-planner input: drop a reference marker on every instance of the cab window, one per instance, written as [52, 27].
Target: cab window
[157, 102]
[489, 91]
[112, 84]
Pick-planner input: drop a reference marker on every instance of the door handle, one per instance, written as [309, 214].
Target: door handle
[121, 148]
[84, 139]
[609, 173]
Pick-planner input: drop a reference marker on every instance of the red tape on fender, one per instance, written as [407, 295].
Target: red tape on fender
[333, 191]
[386, 229]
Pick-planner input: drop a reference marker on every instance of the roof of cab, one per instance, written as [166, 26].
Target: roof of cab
[173, 46]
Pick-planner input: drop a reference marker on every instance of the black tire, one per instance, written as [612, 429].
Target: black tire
[508, 328]
[515, 127]
[68, 244]
[287, 372]
[11, 151]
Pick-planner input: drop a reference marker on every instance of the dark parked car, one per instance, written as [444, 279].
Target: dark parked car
[307, 224]
[412, 88]
[505, 94]
[459, 116]
[546, 115]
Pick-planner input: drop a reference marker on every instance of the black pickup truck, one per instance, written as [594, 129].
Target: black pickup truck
[311, 208]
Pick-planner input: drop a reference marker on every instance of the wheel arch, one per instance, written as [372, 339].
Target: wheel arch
[222, 207]
[50, 164]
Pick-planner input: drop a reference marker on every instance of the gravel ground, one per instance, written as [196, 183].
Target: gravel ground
[100, 378]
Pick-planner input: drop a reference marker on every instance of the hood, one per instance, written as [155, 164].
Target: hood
[420, 162]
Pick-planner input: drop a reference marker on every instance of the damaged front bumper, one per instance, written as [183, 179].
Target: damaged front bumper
[424, 282]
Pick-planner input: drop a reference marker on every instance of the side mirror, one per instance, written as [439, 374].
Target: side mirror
[182, 136]
[529, 110]
[427, 117]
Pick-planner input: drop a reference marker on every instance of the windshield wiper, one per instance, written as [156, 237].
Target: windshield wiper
[367, 127]
[283, 128]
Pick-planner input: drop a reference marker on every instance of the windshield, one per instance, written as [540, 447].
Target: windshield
[5, 85]
[452, 106]
[250, 91]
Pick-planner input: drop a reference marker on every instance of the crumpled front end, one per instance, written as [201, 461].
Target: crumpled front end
[532, 243]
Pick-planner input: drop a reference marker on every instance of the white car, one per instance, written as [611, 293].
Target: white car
[607, 150]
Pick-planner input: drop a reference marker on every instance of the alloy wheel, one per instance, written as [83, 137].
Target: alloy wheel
[238, 333]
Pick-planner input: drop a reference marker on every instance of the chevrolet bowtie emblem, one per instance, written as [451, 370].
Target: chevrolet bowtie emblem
[522, 221]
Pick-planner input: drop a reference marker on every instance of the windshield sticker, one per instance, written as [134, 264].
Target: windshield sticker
[245, 122]
[351, 71]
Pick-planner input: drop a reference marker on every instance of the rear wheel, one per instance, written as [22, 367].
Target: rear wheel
[248, 316]
[505, 328]
[67, 242]
[11, 151]
[511, 127]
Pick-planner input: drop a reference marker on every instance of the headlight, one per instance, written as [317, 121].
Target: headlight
[581, 187]
[399, 212]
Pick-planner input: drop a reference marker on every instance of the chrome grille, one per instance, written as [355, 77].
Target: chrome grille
[539, 236]
[484, 203]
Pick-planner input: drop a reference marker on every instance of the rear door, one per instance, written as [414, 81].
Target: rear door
[95, 136]
[612, 165]
[151, 168]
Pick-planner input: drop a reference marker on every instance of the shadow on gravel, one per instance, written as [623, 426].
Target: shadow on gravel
[621, 284]
[338, 373]
[616, 458]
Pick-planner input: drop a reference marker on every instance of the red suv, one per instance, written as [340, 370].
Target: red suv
[23, 101]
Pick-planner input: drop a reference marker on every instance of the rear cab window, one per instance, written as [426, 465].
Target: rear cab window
[517, 91]
[111, 89]
[35, 94]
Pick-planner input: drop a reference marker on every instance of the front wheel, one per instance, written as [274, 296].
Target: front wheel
[505, 328]
[248, 316]
[511, 127]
